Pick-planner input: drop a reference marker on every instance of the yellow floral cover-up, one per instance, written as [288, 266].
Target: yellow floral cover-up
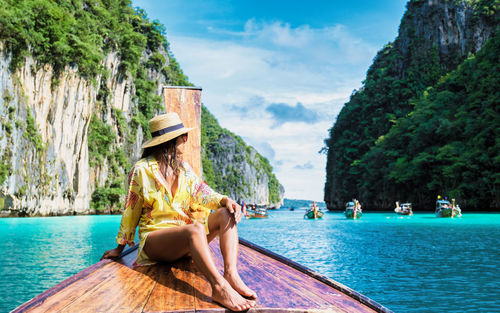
[150, 204]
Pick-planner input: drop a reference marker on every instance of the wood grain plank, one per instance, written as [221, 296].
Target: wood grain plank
[302, 290]
[181, 287]
[284, 290]
[174, 290]
[350, 293]
[186, 101]
[272, 291]
[52, 291]
[73, 291]
[303, 285]
[271, 310]
[215, 249]
[125, 291]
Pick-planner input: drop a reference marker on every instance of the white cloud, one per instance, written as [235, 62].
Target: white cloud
[270, 63]
[279, 33]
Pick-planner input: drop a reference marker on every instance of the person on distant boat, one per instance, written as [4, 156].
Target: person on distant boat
[357, 207]
[315, 209]
[172, 207]
[244, 209]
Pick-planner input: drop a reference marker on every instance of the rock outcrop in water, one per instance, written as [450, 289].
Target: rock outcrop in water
[380, 148]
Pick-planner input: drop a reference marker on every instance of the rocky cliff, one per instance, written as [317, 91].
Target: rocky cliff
[44, 132]
[74, 105]
[450, 29]
[435, 37]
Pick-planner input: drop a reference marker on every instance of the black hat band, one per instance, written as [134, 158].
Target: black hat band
[167, 130]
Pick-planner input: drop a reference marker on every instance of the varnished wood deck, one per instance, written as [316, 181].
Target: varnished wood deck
[113, 286]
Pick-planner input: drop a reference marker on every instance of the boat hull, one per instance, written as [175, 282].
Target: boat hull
[403, 212]
[350, 214]
[447, 212]
[256, 215]
[310, 215]
[118, 286]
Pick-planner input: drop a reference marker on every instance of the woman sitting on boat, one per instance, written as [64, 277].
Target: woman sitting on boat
[172, 207]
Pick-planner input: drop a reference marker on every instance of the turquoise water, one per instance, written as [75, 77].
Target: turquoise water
[409, 264]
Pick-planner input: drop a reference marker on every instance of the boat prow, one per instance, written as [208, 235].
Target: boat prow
[115, 286]
[310, 214]
[353, 210]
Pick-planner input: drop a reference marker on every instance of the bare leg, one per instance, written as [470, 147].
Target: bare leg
[223, 223]
[170, 244]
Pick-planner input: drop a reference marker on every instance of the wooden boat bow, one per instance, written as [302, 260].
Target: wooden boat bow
[115, 286]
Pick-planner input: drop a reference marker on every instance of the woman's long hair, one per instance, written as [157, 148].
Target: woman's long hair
[165, 154]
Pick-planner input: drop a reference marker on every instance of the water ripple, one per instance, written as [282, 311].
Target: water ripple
[409, 264]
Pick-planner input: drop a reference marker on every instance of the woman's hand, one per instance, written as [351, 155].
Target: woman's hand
[113, 253]
[233, 208]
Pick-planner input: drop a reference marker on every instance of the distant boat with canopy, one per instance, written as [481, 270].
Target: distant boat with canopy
[313, 212]
[258, 211]
[403, 209]
[446, 209]
[353, 209]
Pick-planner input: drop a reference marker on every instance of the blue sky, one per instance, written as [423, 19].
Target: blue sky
[277, 73]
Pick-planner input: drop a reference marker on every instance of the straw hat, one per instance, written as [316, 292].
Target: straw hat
[165, 127]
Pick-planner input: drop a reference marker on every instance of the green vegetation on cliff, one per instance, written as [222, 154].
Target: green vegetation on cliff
[399, 139]
[450, 142]
[80, 34]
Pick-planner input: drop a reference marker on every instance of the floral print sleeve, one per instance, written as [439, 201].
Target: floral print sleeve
[133, 208]
[202, 196]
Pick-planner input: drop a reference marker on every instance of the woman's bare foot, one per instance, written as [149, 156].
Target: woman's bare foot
[228, 297]
[234, 279]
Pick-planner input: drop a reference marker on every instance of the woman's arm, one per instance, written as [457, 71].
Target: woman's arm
[131, 215]
[201, 194]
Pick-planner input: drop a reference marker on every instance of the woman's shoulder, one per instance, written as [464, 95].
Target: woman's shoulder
[144, 164]
[141, 163]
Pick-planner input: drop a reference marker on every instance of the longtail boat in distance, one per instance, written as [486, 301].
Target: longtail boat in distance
[281, 285]
[446, 209]
[310, 214]
[353, 209]
[259, 212]
[403, 209]
[313, 212]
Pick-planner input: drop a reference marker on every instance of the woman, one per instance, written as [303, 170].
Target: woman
[172, 207]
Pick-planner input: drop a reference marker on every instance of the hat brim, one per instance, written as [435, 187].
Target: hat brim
[165, 137]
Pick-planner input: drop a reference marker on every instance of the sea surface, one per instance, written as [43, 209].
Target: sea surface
[409, 264]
